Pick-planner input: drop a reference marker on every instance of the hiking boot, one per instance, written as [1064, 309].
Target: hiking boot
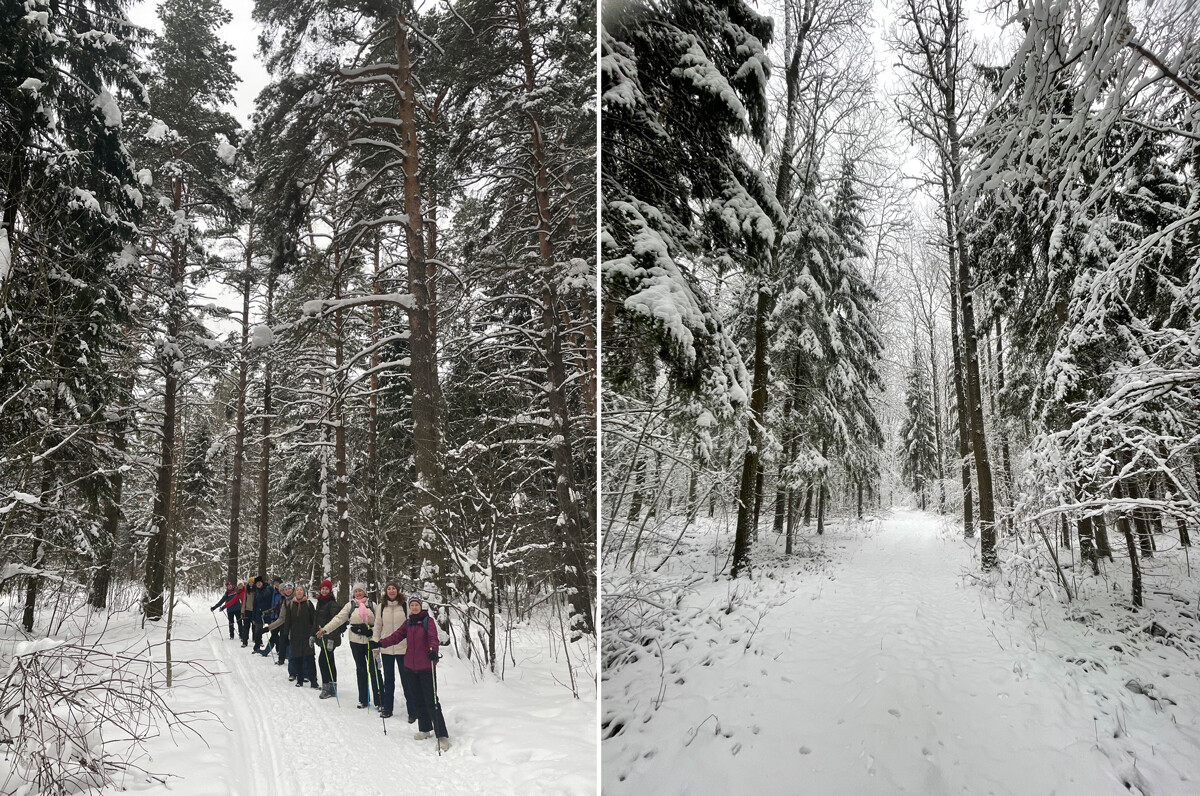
[291, 677]
[412, 719]
[299, 683]
[362, 705]
[387, 714]
[420, 736]
[327, 691]
[443, 744]
[314, 684]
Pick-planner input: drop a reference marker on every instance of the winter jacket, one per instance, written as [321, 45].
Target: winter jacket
[351, 614]
[388, 619]
[248, 601]
[300, 623]
[232, 601]
[326, 609]
[282, 613]
[272, 613]
[262, 601]
[420, 643]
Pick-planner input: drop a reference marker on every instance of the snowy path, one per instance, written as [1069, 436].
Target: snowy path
[525, 735]
[883, 675]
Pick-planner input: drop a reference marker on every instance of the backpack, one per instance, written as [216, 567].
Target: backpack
[349, 622]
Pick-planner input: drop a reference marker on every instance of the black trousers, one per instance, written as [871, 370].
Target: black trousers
[256, 625]
[393, 666]
[235, 614]
[430, 717]
[244, 627]
[326, 663]
[364, 666]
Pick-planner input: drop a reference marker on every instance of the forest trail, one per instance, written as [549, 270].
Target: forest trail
[885, 673]
[524, 735]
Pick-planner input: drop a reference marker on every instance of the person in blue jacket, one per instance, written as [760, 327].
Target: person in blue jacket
[270, 614]
[232, 603]
[263, 600]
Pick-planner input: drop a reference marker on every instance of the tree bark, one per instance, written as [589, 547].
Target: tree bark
[264, 463]
[960, 396]
[421, 320]
[156, 552]
[758, 410]
[571, 515]
[239, 432]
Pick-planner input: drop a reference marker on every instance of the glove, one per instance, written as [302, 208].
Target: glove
[434, 656]
[213, 609]
[312, 641]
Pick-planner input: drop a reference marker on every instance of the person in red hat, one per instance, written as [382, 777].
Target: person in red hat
[327, 607]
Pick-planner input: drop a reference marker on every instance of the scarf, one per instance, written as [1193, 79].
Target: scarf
[362, 609]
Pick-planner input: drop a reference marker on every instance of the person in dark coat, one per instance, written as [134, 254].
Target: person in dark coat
[270, 614]
[420, 659]
[327, 608]
[232, 603]
[264, 597]
[299, 622]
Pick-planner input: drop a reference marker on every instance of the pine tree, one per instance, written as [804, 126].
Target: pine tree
[188, 148]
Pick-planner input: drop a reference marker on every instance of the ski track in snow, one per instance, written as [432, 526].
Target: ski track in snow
[521, 736]
[885, 674]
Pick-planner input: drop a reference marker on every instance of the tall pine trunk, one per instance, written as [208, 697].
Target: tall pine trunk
[239, 432]
[570, 522]
[156, 553]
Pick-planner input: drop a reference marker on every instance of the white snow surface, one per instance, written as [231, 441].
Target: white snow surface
[871, 664]
[523, 735]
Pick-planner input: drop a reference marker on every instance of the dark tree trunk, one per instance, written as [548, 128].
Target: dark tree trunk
[1100, 526]
[960, 396]
[264, 464]
[1087, 544]
[102, 576]
[239, 433]
[639, 483]
[808, 496]
[758, 411]
[575, 538]
[156, 552]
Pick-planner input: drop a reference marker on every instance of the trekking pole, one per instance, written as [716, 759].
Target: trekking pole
[336, 698]
[436, 704]
[375, 679]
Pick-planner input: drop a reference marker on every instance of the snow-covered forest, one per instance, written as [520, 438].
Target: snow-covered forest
[911, 286]
[353, 338]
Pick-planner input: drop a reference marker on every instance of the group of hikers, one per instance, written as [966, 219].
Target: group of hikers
[386, 639]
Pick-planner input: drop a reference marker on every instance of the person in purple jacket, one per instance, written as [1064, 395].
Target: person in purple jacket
[420, 660]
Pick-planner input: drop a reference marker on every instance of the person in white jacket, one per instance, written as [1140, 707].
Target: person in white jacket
[391, 614]
[360, 613]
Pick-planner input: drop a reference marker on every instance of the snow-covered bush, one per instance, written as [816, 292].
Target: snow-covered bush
[74, 716]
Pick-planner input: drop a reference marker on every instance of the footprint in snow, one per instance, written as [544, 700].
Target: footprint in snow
[894, 712]
[804, 750]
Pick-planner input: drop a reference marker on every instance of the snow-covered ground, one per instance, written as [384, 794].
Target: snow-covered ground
[523, 735]
[875, 663]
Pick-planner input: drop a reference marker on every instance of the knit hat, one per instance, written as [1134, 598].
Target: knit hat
[327, 582]
[228, 584]
[357, 586]
[289, 585]
[277, 579]
[414, 598]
